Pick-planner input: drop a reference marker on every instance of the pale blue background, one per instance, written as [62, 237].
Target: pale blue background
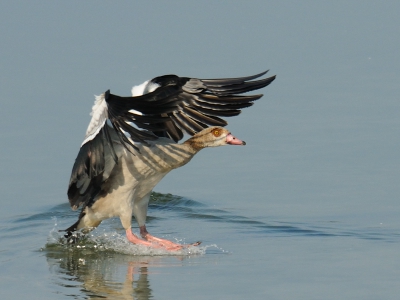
[323, 143]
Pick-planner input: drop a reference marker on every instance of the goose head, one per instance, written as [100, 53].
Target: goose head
[213, 137]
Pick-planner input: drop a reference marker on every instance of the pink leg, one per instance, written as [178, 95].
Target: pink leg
[135, 240]
[171, 246]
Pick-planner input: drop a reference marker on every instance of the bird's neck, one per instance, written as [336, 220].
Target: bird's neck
[194, 145]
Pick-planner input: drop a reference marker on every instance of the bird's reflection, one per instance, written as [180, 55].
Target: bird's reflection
[104, 275]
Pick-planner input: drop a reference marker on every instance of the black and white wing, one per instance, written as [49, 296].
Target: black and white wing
[204, 102]
[166, 106]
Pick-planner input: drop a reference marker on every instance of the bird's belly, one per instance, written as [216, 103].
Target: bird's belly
[121, 199]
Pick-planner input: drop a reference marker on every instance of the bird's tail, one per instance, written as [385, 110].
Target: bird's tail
[71, 233]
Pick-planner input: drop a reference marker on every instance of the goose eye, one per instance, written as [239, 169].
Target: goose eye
[216, 132]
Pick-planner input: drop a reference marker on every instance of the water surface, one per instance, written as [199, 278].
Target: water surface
[239, 257]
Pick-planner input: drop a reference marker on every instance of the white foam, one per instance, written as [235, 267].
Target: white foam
[105, 240]
[119, 243]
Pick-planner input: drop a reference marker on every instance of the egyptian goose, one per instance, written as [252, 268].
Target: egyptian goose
[131, 144]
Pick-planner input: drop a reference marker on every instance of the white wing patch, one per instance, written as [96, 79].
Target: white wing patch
[99, 116]
[144, 88]
[135, 112]
[138, 90]
[100, 111]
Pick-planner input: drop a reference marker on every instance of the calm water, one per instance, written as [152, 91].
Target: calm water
[308, 209]
[241, 257]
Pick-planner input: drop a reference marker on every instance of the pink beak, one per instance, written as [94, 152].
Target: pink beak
[231, 140]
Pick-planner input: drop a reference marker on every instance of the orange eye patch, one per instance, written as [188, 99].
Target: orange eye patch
[216, 132]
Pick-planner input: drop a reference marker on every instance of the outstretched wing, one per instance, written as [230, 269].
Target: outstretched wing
[164, 106]
[204, 102]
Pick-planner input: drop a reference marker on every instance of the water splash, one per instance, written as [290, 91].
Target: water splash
[104, 240]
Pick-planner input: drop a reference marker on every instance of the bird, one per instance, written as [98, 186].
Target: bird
[131, 143]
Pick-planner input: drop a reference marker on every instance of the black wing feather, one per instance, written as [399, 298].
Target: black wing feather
[201, 102]
[87, 172]
[225, 81]
[180, 105]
